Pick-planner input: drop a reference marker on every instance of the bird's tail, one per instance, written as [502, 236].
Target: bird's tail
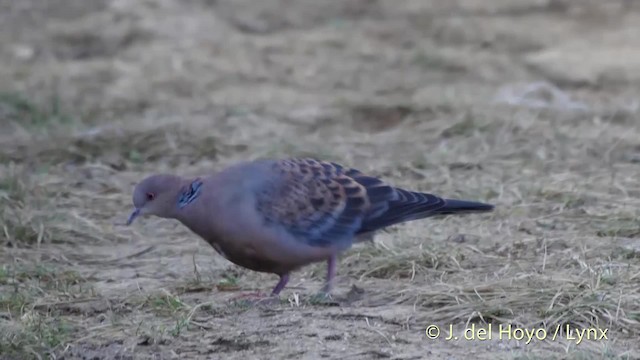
[453, 206]
[414, 206]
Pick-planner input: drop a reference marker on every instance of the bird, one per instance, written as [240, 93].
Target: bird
[278, 215]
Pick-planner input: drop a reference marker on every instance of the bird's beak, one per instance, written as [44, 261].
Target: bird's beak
[133, 216]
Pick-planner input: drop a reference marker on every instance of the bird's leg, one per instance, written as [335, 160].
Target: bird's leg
[284, 279]
[331, 274]
[261, 298]
[324, 296]
[273, 299]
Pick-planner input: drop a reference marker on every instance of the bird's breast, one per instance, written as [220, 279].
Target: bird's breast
[238, 232]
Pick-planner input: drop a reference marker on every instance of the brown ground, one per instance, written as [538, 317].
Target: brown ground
[428, 94]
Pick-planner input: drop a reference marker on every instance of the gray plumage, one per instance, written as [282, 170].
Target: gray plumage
[276, 216]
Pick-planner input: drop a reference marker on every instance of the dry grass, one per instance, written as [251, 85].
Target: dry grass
[560, 249]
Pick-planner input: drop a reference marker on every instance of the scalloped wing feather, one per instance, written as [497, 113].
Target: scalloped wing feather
[318, 202]
[323, 203]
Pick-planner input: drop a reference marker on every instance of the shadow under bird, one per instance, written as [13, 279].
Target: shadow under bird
[276, 216]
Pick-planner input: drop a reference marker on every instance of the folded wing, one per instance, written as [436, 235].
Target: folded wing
[323, 203]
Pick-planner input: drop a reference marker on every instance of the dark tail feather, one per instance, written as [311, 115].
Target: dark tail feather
[414, 206]
[453, 206]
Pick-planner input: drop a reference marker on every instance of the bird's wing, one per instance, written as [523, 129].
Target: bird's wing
[323, 203]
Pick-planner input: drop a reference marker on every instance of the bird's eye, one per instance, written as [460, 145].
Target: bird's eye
[150, 196]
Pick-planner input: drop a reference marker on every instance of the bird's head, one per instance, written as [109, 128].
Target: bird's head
[156, 195]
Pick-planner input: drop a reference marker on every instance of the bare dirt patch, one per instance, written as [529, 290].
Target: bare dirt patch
[511, 102]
